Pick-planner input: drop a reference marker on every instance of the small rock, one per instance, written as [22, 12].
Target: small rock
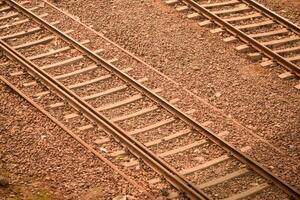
[195, 68]
[138, 167]
[98, 141]
[277, 125]
[199, 159]
[254, 184]
[103, 149]
[120, 198]
[3, 183]
[81, 184]
[165, 192]
[218, 94]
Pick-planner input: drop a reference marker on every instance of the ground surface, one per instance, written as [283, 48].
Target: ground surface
[203, 63]
[179, 48]
[42, 162]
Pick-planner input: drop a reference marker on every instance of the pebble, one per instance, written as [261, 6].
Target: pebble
[4, 183]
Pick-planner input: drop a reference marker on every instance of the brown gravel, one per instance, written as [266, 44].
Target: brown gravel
[41, 161]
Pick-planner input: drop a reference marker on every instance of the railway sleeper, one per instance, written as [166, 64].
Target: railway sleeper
[68, 61]
[18, 73]
[104, 107]
[287, 75]
[210, 163]
[172, 2]
[270, 44]
[27, 32]
[193, 15]
[271, 62]
[7, 8]
[93, 81]
[133, 163]
[182, 8]
[220, 4]
[53, 52]
[89, 97]
[254, 25]
[155, 142]
[203, 166]
[30, 84]
[33, 43]
[135, 114]
[140, 112]
[241, 18]
[233, 19]
[152, 126]
[252, 191]
[86, 127]
[19, 22]
[109, 91]
[121, 102]
[247, 26]
[241, 8]
[164, 139]
[77, 85]
[14, 14]
[223, 178]
[81, 71]
[274, 43]
[288, 50]
[257, 55]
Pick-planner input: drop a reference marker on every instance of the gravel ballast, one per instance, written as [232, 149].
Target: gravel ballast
[219, 95]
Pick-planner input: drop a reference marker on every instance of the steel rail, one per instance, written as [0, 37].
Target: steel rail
[262, 9]
[293, 68]
[181, 115]
[132, 144]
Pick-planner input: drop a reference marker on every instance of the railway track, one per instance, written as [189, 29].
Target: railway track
[266, 36]
[188, 155]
